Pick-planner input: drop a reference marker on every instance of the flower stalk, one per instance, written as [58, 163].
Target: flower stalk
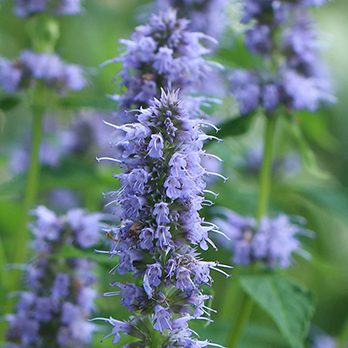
[262, 207]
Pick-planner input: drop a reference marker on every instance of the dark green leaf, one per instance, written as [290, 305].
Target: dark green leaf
[234, 127]
[7, 103]
[288, 304]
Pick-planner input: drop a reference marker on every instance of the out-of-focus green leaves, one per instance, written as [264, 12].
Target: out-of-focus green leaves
[98, 103]
[309, 159]
[43, 31]
[8, 102]
[289, 305]
[69, 251]
[315, 128]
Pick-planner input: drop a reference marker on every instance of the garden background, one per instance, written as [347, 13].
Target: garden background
[311, 182]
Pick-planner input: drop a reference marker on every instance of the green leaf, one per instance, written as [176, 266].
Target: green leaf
[309, 158]
[288, 304]
[7, 103]
[234, 127]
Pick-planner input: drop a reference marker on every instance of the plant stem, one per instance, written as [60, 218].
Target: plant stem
[266, 169]
[262, 207]
[29, 200]
[33, 173]
[243, 318]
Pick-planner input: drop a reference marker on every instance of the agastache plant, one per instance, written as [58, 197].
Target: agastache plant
[39, 74]
[162, 191]
[46, 68]
[25, 8]
[54, 309]
[206, 16]
[293, 76]
[163, 53]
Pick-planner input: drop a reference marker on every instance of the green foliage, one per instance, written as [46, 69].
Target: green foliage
[289, 305]
[234, 127]
[8, 102]
[78, 103]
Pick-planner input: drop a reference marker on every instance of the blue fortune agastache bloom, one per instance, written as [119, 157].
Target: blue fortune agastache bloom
[273, 241]
[206, 16]
[162, 191]
[55, 308]
[48, 68]
[81, 137]
[163, 53]
[25, 8]
[283, 35]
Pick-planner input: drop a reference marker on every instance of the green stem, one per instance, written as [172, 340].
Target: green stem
[262, 207]
[243, 318]
[33, 174]
[29, 200]
[266, 169]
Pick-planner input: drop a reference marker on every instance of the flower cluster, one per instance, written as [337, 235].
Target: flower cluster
[206, 16]
[82, 136]
[273, 241]
[160, 54]
[60, 297]
[162, 191]
[48, 68]
[25, 8]
[282, 34]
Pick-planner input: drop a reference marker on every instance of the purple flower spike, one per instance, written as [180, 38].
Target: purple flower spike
[26, 8]
[163, 53]
[293, 76]
[60, 296]
[274, 241]
[48, 68]
[158, 239]
[208, 16]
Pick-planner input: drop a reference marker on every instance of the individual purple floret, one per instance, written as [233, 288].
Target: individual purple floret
[162, 53]
[25, 8]
[162, 191]
[293, 75]
[273, 241]
[47, 68]
[60, 296]
[206, 16]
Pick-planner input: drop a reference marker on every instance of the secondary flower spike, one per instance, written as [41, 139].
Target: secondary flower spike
[163, 53]
[162, 191]
[47, 68]
[273, 241]
[283, 34]
[206, 16]
[59, 295]
[25, 8]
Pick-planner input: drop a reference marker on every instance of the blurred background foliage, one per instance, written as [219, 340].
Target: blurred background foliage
[312, 183]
